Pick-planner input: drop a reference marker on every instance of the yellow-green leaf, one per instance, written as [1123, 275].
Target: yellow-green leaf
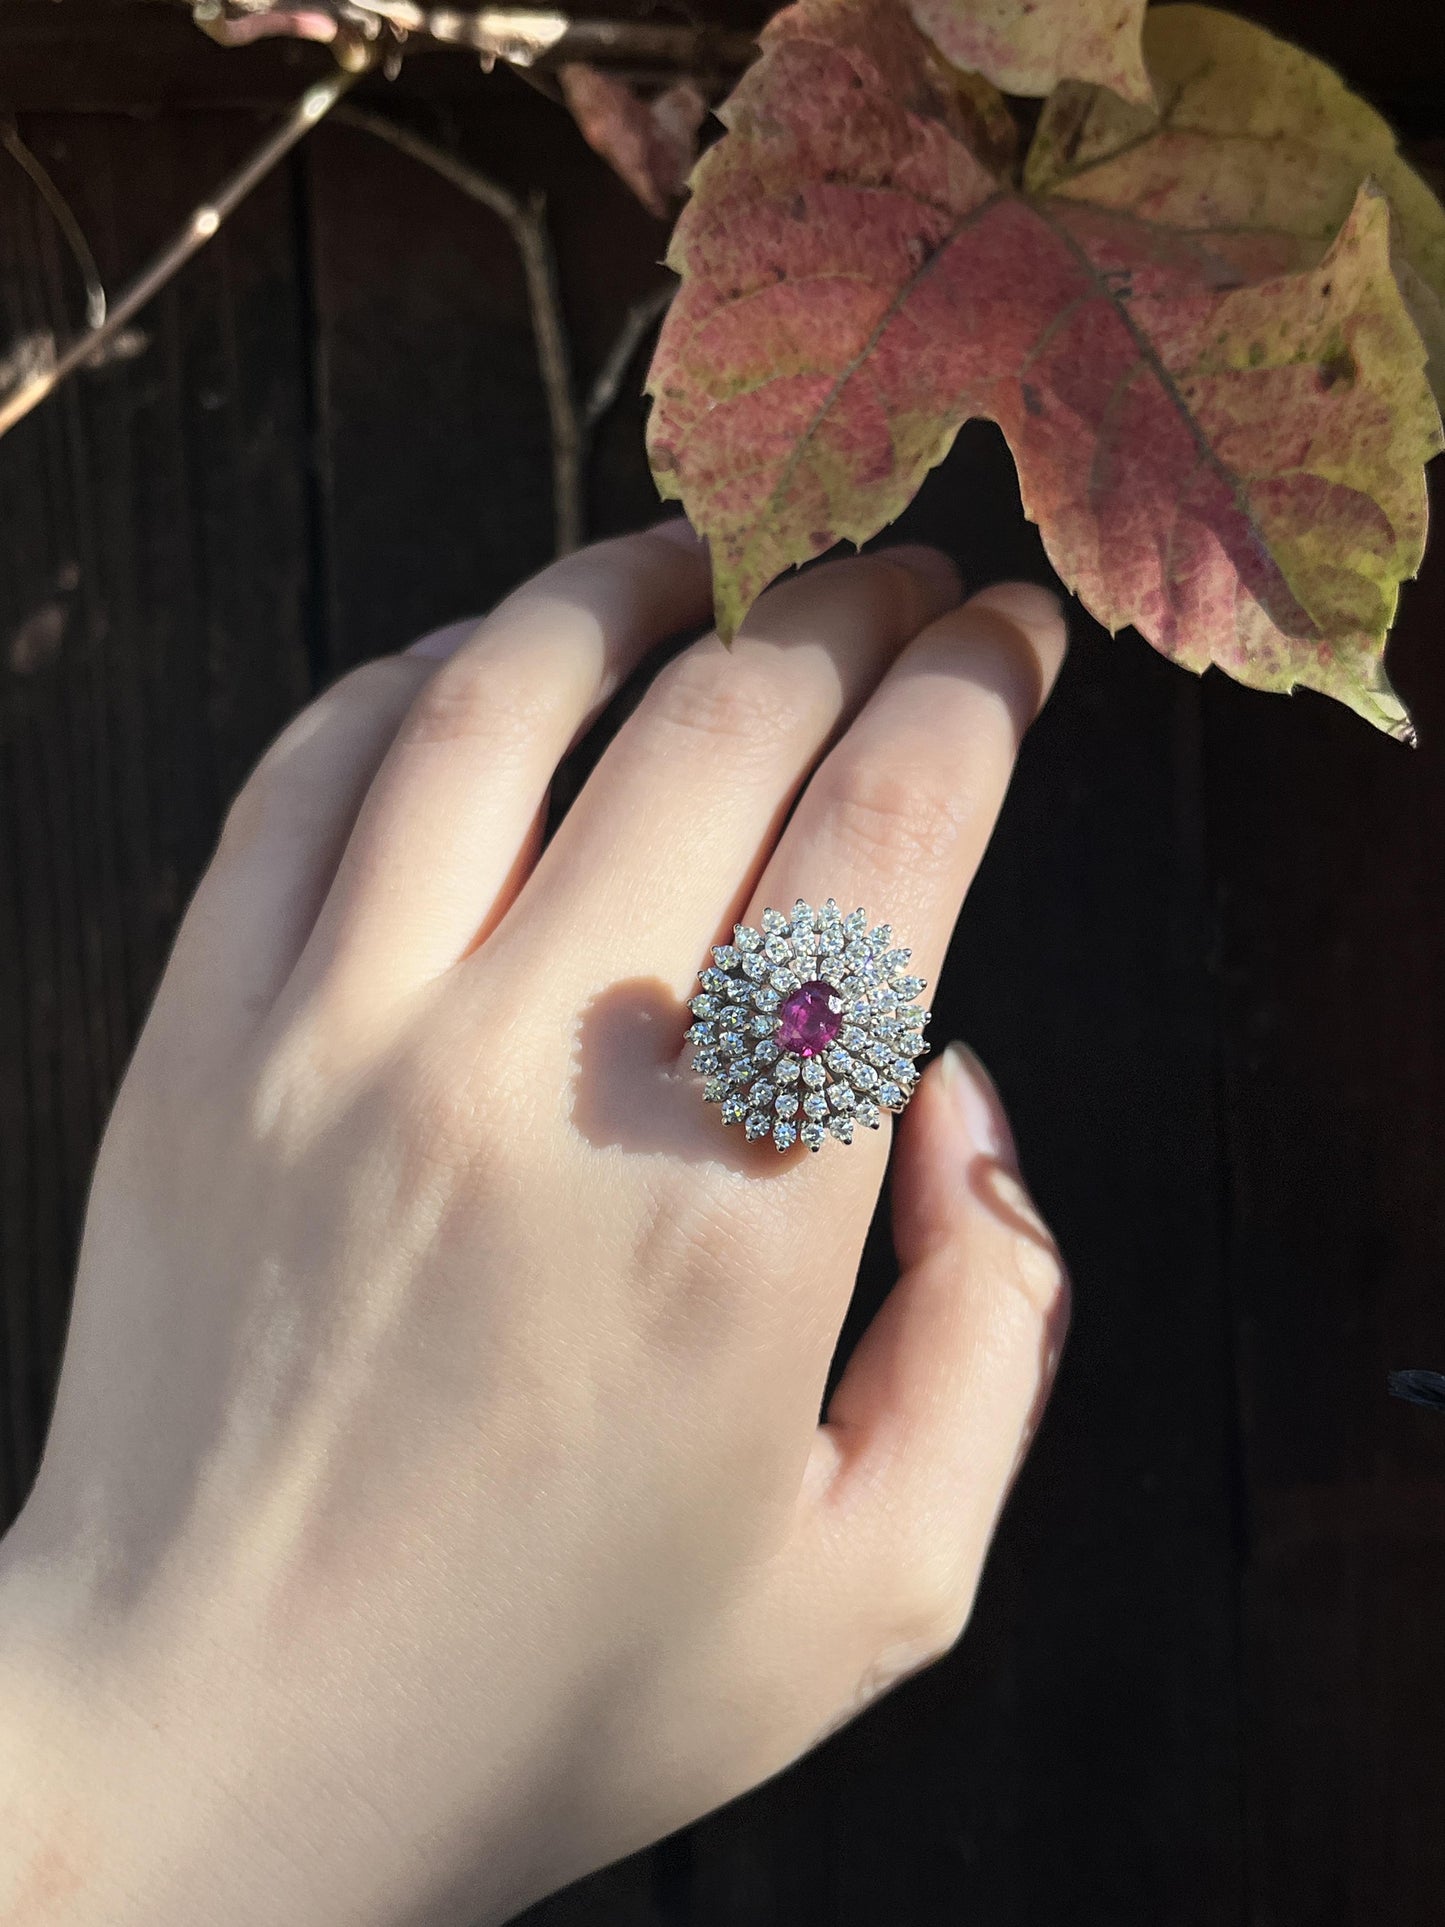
[1252, 138]
[1029, 46]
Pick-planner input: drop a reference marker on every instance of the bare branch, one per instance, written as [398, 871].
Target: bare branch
[526, 222]
[635, 323]
[63, 216]
[316, 102]
[522, 36]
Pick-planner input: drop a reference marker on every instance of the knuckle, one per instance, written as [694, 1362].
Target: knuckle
[467, 702]
[892, 815]
[1034, 1267]
[717, 696]
[264, 796]
[929, 1613]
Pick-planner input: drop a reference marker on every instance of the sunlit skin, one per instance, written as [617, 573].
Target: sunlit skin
[438, 1504]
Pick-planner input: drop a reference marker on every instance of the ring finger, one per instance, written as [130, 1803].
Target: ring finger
[700, 778]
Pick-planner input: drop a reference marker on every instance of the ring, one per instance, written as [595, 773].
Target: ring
[808, 1027]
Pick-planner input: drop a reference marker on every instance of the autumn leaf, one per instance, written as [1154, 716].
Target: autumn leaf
[1252, 136]
[1029, 46]
[1227, 456]
[651, 144]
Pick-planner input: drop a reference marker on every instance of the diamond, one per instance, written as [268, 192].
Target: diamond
[734, 1109]
[807, 1022]
[757, 1125]
[775, 923]
[853, 1038]
[880, 1053]
[764, 1024]
[785, 982]
[903, 1072]
[842, 1129]
[908, 988]
[766, 1052]
[841, 1098]
[746, 938]
[889, 1095]
[763, 1094]
[765, 997]
[778, 950]
[705, 1060]
[703, 1006]
[700, 1033]
[855, 923]
[880, 939]
[813, 1073]
[732, 1043]
[785, 1104]
[865, 1077]
[785, 1136]
[788, 1070]
[895, 960]
[813, 1134]
[839, 1062]
[725, 956]
[715, 980]
[715, 1090]
[815, 1104]
[867, 1113]
[755, 967]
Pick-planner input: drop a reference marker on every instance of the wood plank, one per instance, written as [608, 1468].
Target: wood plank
[1327, 841]
[436, 482]
[153, 597]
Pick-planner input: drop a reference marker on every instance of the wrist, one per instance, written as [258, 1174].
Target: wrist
[157, 1772]
[109, 1813]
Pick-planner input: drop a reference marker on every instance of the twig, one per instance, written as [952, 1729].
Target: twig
[526, 222]
[63, 216]
[635, 324]
[521, 36]
[316, 102]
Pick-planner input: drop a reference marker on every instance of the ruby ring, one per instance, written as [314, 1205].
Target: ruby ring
[808, 1027]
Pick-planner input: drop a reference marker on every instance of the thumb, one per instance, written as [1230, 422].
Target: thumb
[941, 1398]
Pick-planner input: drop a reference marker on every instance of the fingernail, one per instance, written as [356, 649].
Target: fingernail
[676, 528]
[938, 570]
[442, 643]
[973, 1092]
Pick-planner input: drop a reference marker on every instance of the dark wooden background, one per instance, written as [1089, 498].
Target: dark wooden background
[1205, 1682]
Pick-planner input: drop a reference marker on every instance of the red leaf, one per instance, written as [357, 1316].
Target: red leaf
[1227, 457]
[651, 144]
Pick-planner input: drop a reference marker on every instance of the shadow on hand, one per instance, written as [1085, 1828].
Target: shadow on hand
[633, 1089]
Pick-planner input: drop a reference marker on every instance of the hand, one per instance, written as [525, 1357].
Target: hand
[436, 1506]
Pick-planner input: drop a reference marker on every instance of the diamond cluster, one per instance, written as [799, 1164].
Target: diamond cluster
[836, 990]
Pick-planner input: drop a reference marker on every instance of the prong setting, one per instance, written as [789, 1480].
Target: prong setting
[807, 1027]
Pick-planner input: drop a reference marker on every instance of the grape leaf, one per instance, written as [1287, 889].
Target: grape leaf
[1252, 135]
[1028, 46]
[651, 144]
[1227, 456]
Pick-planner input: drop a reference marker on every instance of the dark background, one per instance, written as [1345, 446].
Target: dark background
[1205, 1680]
